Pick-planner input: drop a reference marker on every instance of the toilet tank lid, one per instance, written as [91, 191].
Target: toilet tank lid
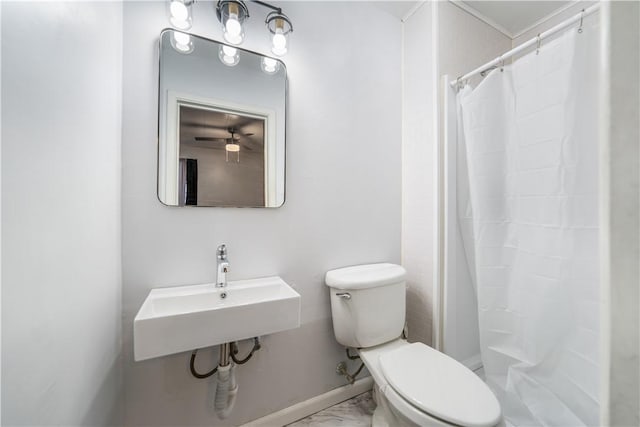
[365, 276]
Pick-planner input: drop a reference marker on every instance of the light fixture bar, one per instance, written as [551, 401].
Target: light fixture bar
[233, 13]
[265, 4]
[280, 27]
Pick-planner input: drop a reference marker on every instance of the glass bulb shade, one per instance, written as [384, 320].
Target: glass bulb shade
[181, 42]
[180, 14]
[229, 55]
[234, 148]
[280, 28]
[269, 65]
[232, 14]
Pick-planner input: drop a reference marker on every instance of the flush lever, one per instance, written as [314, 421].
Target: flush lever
[343, 295]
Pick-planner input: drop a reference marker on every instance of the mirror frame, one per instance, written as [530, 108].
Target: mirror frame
[176, 99]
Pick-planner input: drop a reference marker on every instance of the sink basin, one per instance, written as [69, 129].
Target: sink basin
[184, 318]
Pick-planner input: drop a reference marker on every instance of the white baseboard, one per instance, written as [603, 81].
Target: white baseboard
[473, 363]
[313, 405]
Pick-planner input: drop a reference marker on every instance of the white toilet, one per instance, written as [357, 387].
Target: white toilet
[415, 385]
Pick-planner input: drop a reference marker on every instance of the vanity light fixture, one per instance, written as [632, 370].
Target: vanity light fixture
[232, 14]
[280, 27]
[180, 13]
[228, 55]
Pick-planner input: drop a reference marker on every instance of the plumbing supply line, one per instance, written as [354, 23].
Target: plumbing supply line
[534, 41]
[192, 367]
[231, 352]
[350, 356]
[234, 351]
[351, 377]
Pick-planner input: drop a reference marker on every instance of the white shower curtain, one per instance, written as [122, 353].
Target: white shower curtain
[528, 212]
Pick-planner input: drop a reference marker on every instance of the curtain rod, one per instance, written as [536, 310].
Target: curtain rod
[536, 40]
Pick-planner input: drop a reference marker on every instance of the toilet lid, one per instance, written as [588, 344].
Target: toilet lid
[440, 386]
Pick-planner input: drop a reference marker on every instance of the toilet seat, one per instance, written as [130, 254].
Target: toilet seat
[437, 385]
[410, 412]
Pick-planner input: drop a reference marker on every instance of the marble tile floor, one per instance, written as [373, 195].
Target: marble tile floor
[355, 412]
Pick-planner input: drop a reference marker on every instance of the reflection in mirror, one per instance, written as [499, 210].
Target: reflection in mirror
[221, 125]
[211, 140]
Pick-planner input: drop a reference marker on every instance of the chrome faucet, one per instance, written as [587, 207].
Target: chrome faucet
[222, 268]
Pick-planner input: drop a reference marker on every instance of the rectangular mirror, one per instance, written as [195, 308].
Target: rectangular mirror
[221, 124]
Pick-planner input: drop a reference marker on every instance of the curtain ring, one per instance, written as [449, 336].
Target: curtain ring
[581, 19]
[502, 66]
[538, 44]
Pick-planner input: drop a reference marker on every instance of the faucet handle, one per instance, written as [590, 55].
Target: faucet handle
[222, 252]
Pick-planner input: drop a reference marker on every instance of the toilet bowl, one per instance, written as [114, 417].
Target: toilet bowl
[415, 385]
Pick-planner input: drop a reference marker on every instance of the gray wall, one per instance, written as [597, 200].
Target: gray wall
[61, 287]
[342, 205]
[419, 169]
[232, 183]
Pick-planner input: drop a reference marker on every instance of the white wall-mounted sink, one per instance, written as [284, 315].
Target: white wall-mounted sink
[183, 318]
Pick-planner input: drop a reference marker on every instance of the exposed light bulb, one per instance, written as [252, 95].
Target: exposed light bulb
[279, 39]
[233, 33]
[270, 62]
[181, 38]
[233, 26]
[179, 10]
[229, 60]
[270, 65]
[229, 55]
[182, 42]
[279, 42]
[229, 51]
[179, 14]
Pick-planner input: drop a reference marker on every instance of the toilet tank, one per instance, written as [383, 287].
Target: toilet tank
[367, 303]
